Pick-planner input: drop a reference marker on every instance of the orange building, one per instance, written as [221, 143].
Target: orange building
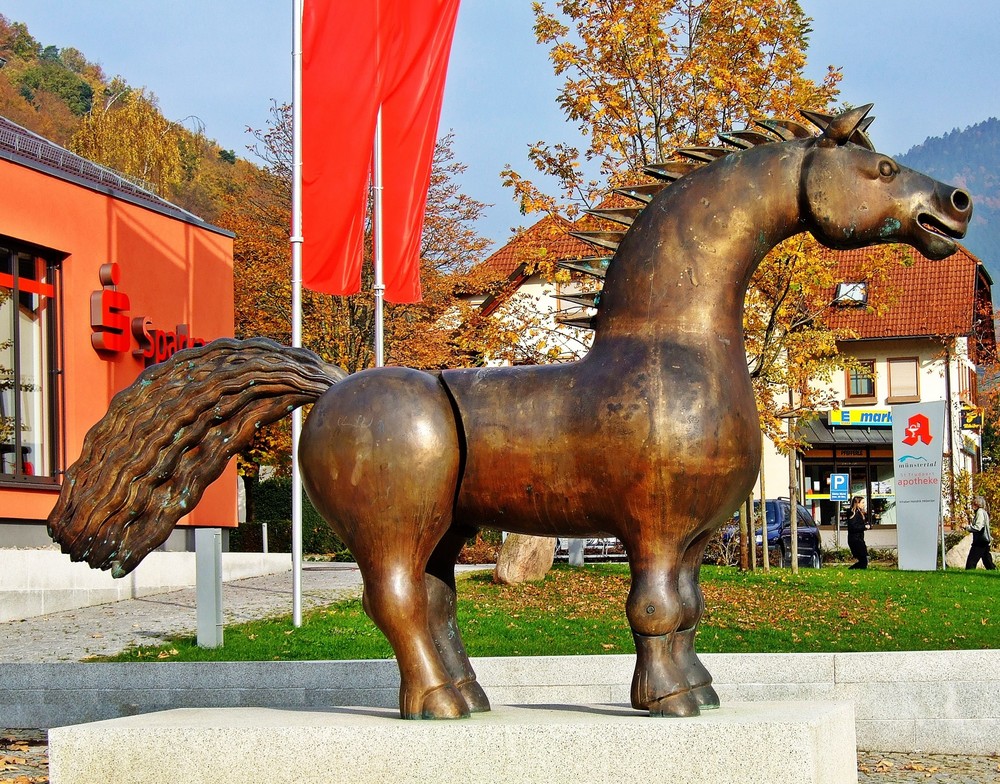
[98, 279]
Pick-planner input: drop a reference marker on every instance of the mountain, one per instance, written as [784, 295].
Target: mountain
[969, 159]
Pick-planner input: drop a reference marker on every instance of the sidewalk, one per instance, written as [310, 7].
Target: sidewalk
[107, 629]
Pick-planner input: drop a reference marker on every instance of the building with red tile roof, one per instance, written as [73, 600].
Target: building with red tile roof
[919, 333]
[926, 298]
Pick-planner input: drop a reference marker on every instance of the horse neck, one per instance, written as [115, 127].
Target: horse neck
[682, 271]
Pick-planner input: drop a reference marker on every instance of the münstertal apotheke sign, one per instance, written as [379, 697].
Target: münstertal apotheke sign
[917, 446]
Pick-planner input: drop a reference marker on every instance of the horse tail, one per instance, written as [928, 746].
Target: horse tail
[168, 436]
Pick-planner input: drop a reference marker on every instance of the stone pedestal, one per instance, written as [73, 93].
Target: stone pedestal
[772, 742]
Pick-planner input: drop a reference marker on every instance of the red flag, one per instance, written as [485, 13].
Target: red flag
[339, 105]
[359, 55]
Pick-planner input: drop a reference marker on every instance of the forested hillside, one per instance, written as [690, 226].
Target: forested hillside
[64, 97]
[971, 159]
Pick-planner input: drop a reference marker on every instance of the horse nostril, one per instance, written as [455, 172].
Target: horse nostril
[961, 200]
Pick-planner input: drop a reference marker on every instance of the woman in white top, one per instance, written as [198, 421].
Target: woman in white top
[981, 536]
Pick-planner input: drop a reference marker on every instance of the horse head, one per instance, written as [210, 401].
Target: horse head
[853, 196]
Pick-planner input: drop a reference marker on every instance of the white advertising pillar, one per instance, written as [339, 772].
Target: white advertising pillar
[917, 448]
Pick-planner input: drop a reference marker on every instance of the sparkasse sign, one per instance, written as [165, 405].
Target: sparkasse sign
[113, 330]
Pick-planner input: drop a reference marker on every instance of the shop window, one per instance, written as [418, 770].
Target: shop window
[861, 383]
[27, 365]
[904, 384]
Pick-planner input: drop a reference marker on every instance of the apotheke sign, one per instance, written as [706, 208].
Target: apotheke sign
[917, 439]
[114, 332]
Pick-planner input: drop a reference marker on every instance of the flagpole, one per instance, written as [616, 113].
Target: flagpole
[379, 287]
[296, 240]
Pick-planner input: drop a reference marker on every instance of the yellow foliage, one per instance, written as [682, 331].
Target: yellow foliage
[126, 132]
[643, 77]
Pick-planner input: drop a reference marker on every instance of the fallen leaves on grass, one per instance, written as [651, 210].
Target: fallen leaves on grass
[737, 605]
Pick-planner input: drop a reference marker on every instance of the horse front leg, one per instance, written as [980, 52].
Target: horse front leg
[693, 604]
[655, 613]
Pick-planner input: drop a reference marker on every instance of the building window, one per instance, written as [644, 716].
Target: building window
[904, 386]
[851, 294]
[27, 364]
[861, 383]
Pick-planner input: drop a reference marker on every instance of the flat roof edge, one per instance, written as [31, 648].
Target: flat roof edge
[170, 211]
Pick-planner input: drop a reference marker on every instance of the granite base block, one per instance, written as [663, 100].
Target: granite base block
[771, 742]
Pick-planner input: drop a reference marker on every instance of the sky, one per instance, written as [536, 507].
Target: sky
[927, 66]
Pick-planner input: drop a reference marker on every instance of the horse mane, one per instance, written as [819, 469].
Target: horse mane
[169, 435]
[685, 161]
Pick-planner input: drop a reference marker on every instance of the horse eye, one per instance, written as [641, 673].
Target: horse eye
[886, 169]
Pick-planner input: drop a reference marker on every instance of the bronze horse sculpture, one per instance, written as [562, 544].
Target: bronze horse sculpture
[653, 437]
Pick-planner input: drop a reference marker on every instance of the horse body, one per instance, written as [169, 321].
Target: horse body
[653, 437]
[665, 383]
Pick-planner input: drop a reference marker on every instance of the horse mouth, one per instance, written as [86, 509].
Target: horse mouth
[934, 225]
[939, 235]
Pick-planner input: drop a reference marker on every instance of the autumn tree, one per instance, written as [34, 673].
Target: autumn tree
[45, 89]
[643, 77]
[126, 131]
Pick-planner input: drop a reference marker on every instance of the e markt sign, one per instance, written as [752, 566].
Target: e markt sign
[917, 439]
[860, 417]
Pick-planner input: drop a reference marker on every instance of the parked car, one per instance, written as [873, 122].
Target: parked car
[594, 549]
[779, 532]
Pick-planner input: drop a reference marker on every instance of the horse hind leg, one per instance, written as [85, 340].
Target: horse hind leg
[380, 458]
[396, 600]
[441, 596]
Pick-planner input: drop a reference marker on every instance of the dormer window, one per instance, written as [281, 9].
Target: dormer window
[851, 294]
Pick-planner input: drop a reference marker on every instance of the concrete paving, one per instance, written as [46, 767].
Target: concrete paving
[107, 629]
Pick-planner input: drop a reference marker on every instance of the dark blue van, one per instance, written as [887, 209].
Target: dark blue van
[779, 532]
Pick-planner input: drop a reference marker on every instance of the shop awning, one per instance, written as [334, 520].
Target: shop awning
[816, 432]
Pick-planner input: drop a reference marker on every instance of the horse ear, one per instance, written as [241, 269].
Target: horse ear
[841, 128]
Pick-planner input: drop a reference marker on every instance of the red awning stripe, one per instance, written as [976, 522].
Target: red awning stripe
[28, 285]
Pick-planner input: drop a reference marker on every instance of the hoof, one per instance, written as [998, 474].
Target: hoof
[681, 705]
[444, 702]
[474, 696]
[706, 697]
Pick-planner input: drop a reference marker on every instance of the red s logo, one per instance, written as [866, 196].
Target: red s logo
[109, 313]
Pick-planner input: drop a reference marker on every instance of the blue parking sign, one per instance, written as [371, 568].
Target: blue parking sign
[840, 487]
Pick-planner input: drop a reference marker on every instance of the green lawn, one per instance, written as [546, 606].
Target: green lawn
[581, 611]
